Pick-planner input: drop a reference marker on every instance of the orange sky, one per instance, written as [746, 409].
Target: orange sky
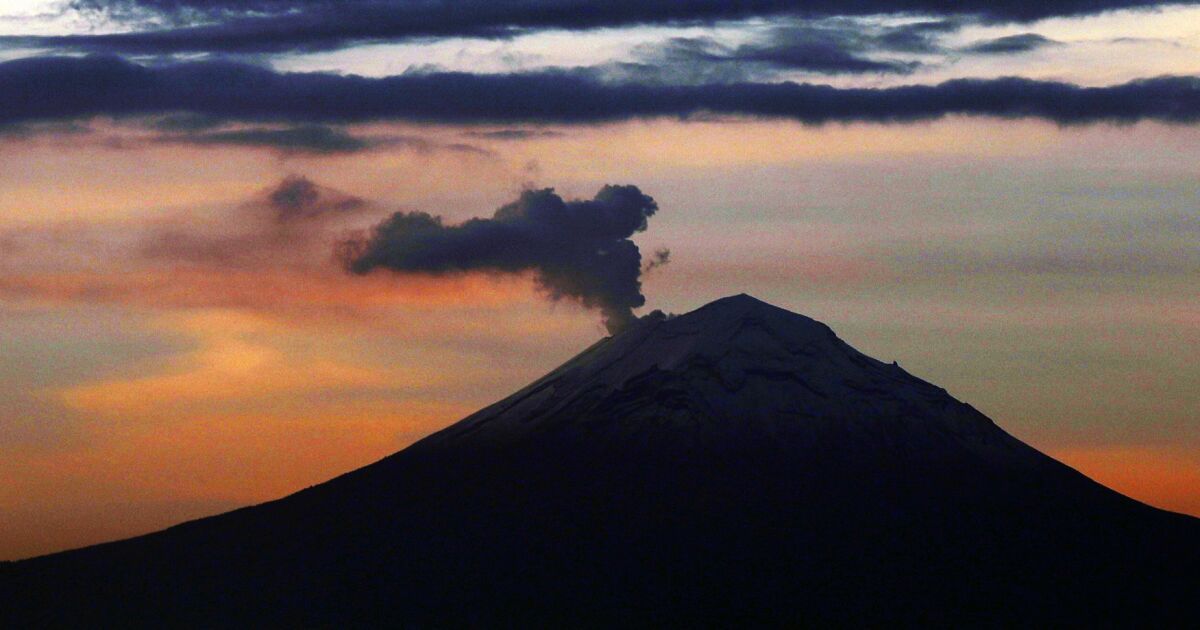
[1044, 275]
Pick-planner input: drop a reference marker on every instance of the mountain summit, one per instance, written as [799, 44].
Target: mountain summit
[739, 464]
[738, 368]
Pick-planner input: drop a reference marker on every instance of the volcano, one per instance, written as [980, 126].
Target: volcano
[739, 464]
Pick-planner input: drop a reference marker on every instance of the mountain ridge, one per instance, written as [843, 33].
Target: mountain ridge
[736, 464]
[732, 340]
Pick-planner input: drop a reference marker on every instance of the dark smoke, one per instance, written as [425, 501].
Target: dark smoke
[660, 258]
[291, 223]
[578, 249]
[297, 197]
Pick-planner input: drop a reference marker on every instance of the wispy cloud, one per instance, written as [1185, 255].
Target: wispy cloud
[1011, 44]
[309, 139]
[831, 46]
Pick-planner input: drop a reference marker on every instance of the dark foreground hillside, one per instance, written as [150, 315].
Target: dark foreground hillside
[737, 464]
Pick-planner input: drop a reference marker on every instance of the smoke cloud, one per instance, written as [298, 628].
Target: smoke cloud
[660, 258]
[577, 249]
[291, 224]
[297, 197]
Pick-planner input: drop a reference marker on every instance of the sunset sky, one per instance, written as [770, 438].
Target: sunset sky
[1005, 200]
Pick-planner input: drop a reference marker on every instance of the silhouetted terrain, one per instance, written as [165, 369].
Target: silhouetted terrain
[737, 464]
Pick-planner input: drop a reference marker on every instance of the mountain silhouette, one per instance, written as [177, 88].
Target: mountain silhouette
[736, 465]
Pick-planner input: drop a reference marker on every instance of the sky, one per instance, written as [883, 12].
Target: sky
[248, 245]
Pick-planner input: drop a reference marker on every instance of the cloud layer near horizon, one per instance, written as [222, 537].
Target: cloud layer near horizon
[63, 88]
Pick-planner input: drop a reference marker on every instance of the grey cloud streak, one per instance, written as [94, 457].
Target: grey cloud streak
[1012, 44]
[313, 139]
[293, 223]
[831, 46]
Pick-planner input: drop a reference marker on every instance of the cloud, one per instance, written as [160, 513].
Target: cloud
[513, 134]
[183, 123]
[916, 37]
[824, 47]
[1012, 44]
[578, 249]
[660, 258]
[293, 223]
[286, 140]
[312, 139]
[251, 26]
[62, 88]
[273, 255]
[23, 131]
[297, 197]
[800, 52]
[300, 139]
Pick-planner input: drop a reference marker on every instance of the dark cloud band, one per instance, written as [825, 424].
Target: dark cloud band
[293, 25]
[57, 88]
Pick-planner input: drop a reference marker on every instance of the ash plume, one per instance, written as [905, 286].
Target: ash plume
[660, 258]
[577, 249]
[297, 197]
[287, 223]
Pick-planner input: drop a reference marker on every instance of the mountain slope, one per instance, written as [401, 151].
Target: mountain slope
[737, 464]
